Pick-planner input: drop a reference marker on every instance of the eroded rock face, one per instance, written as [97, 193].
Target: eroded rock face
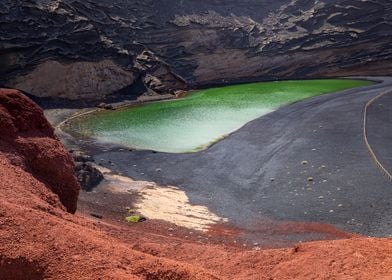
[74, 80]
[29, 142]
[167, 45]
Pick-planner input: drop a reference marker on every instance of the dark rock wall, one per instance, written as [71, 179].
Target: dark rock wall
[171, 44]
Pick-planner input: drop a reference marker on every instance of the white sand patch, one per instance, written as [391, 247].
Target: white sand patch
[163, 203]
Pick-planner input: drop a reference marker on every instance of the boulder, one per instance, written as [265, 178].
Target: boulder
[87, 175]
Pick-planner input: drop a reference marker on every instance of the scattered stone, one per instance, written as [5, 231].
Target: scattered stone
[296, 249]
[98, 216]
[106, 106]
[81, 157]
[304, 162]
[101, 105]
[179, 93]
[310, 179]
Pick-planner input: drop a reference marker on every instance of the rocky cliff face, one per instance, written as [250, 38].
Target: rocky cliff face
[88, 49]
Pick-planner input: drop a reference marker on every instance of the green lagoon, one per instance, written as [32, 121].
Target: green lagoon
[203, 117]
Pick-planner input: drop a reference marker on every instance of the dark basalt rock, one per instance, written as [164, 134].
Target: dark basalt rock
[88, 176]
[106, 106]
[169, 45]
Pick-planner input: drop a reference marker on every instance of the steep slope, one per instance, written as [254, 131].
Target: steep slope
[40, 240]
[28, 141]
[88, 49]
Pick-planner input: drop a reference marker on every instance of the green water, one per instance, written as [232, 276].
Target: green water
[203, 117]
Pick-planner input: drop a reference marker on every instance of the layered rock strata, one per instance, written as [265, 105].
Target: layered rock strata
[89, 49]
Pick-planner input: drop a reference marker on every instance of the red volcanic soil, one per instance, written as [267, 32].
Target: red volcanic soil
[40, 238]
[28, 141]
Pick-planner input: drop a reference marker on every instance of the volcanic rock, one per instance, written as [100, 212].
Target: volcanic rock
[87, 175]
[40, 240]
[74, 80]
[29, 142]
[105, 106]
[88, 49]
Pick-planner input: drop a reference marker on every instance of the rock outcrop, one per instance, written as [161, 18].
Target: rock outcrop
[86, 172]
[78, 80]
[28, 141]
[94, 48]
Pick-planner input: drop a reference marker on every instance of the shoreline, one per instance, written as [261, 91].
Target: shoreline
[142, 156]
[63, 120]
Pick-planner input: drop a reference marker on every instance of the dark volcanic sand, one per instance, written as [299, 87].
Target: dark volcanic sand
[257, 173]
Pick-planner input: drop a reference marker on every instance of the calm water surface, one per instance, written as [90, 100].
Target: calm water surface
[193, 123]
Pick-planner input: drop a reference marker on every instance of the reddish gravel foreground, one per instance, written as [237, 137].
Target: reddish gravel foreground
[39, 239]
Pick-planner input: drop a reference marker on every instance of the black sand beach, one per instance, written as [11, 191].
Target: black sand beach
[306, 162]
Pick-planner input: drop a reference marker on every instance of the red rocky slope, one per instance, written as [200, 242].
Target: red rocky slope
[29, 142]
